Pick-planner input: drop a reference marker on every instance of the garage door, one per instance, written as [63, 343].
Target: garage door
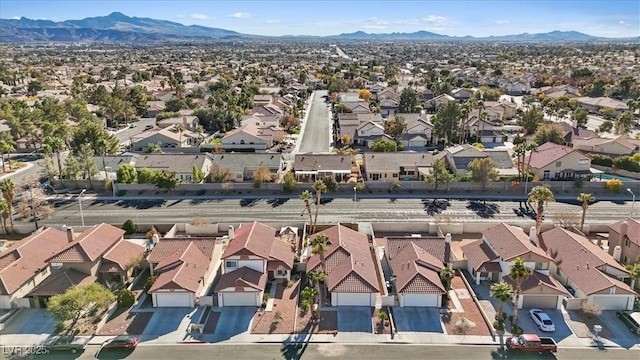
[239, 299]
[429, 300]
[354, 299]
[611, 302]
[174, 300]
[540, 301]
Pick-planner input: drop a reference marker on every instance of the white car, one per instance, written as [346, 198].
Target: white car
[542, 320]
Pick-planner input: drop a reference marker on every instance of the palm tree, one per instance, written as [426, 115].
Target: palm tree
[634, 273]
[55, 145]
[4, 214]
[8, 188]
[518, 272]
[519, 152]
[541, 195]
[503, 292]
[319, 246]
[6, 148]
[180, 130]
[306, 196]
[585, 199]
[446, 275]
[319, 187]
[103, 146]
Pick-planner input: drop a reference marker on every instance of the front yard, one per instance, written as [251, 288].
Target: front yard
[281, 319]
[460, 323]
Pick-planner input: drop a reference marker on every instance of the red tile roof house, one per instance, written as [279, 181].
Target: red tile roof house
[352, 274]
[626, 235]
[23, 266]
[594, 275]
[182, 266]
[416, 264]
[491, 257]
[255, 254]
[558, 162]
[98, 253]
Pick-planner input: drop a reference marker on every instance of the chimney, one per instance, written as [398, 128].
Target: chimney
[70, 234]
[155, 238]
[624, 227]
[617, 253]
[447, 238]
[231, 233]
[184, 121]
[532, 236]
[447, 249]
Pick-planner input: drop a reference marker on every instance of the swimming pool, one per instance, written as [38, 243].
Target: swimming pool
[605, 176]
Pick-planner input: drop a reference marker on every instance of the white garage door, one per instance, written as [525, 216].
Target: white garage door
[430, 300]
[540, 301]
[174, 300]
[611, 302]
[239, 299]
[354, 299]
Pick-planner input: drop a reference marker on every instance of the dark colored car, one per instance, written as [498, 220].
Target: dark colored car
[68, 343]
[632, 320]
[121, 342]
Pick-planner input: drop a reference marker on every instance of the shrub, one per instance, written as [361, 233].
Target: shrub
[108, 185]
[150, 281]
[626, 163]
[265, 299]
[126, 298]
[602, 160]
[613, 185]
[591, 308]
[305, 305]
[516, 330]
[121, 193]
[129, 227]
[383, 316]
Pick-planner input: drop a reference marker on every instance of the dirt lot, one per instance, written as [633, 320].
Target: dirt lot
[328, 324]
[471, 312]
[285, 306]
[126, 322]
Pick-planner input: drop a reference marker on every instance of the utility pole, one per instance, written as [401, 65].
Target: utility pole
[33, 210]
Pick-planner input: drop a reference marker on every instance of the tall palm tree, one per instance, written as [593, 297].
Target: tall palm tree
[8, 188]
[518, 272]
[306, 196]
[585, 199]
[4, 214]
[55, 145]
[503, 292]
[540, 195]
[519, 152]
[6, 148]
[319, 246]
[180, 130]
[319, 187]
[103, 148]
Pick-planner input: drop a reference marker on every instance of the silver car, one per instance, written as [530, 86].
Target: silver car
[542, 320]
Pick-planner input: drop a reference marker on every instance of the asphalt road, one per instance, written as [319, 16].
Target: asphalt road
[336, 351]
[316, 133]
[163, 211]
[125, 135]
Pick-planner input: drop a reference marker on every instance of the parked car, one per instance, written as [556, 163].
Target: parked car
[631, 320]
[148, 127]
[531, 343]
[121, 342]
[542, 320]
[68, 343]
[132, 125]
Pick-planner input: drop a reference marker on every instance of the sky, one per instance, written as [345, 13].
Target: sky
[612, 18]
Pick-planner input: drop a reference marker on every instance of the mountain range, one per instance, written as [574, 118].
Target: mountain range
[117, 27]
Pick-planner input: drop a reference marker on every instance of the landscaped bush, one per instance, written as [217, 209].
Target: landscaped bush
[602, 160]
[613, 185]
[126, 298]
[129, 227]
[150, 281]
[626, 163]
[121, 193]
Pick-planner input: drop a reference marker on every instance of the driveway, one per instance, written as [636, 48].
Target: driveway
[168, 322]
[234, 320]
[354, 319]
[31, 322]
[417, 319]
[316, 136]
[562, 332]
[621, 334]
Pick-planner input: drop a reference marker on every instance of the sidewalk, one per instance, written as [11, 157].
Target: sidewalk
[28, 165]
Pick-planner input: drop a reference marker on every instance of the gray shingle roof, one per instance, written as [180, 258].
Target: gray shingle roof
[180, 163]
[237, 162]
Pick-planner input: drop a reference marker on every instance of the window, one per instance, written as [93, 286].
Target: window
[395, 175]
[627, 242]
[241, 142]
[375, 176]
[542, 266]
[583, 162]
[231, 264]
[546, 174]
[56, 266]
[558, 163]
[281, 272]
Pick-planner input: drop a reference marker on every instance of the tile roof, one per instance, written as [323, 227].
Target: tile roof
[315, 162]
[633, 229]
[435, 246]
[25, 258]
[416, 270]
[241, 278]
[349, 261]
[180, 163]
[122, 254]
[579, 259]
[255, 238]
[478, 253]
[537, 279]
[183, 270]
[58, 283]
[169, 246]
[547, 153]
[510, 242]
[89, 245]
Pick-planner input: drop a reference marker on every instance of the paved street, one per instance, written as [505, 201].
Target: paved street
[158, 211]
[316, 134]
[336, 351]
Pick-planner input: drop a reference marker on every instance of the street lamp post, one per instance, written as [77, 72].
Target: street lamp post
[633, 201]
[355, 192]
[80, 203]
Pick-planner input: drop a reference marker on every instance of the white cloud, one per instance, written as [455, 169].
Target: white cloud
[622, 22]
[240, 15]
[375, 27]
[197, 16]
[16, 18]
[435, 19]
[273, 21]
[501, 22]
[180, 16]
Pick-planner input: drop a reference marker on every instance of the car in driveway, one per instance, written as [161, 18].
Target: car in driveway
[542, 320]
[121, 342]
[631, 320]
[67, 343]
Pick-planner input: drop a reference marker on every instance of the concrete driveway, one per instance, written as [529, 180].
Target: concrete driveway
[234, 320]
[168, 324]
[562, 328]
[32, 322]
[417, 319]
[621, 334]
[354, 319]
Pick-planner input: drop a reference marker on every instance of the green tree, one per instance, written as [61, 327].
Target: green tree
[541, 195]
[78, 301]
[56, 146]
[446, 275]
[288, 182]
[408, 100]
[6, 148]
[483, 171]
[152, 148]
[625, 122]
[439, 174]
[8, 188]
[306, 196]
[383, 145]
[585, 199]
[129, 227]
[126, 299]
[166, 180]
[331, 183]
[518, 272]
[607, 113]
[90, 131]
[579, 116]
[72, 168]
[4, 214]
[180, 129]
[445, 122]
[320, 188]
[530, 119]
[87, 161]
[127, 174]
[606, 126]
[634, 273]
[503, 292]
[552, 133]
[198, 174]
[319, 246]
[147, 176]
[395, 127]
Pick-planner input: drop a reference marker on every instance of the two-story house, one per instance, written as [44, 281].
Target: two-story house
[558, 162]
[491, 257]
[617, 146]
[255, 255]
[593, 274]
[368, 132]
[458, 158]
[397, 166]
[624, 240]
[419, 132]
